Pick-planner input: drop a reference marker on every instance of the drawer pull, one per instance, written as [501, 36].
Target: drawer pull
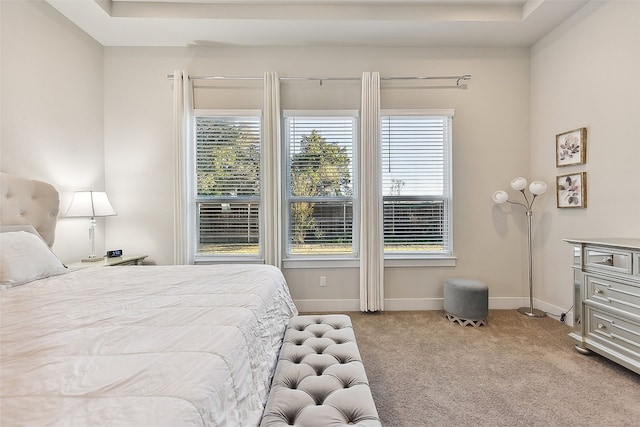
[601, 326]
[598, 291]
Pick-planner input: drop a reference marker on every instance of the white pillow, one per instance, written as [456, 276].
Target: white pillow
[24, 257]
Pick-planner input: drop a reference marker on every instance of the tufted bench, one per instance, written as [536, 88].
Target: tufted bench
[319, 378]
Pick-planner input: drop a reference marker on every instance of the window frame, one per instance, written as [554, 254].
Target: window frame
[407, 259]
[292, 260]
[203, 258]
[427, 258]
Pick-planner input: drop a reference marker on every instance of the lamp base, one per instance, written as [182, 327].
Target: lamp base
[99, 258]
[531, 313]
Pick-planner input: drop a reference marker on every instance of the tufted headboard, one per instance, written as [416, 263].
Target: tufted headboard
[29, 202]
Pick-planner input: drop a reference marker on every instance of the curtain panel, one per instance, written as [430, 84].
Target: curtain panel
[272, 171]
[371, 212]
[184, 215]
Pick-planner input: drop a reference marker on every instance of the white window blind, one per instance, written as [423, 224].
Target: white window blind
[319, 193]
[228, 184]
[416, 183]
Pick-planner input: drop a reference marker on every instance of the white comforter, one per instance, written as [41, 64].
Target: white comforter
[142, 346]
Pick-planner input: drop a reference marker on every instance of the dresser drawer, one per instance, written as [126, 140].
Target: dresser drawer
[614, 332]
[613, 293]
[608, 260]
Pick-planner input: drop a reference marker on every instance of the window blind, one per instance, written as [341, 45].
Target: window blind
[228, 184]
[319, 191]
[416, 183]
[228, 156]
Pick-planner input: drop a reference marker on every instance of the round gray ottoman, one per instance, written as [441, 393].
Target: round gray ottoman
[466, 301]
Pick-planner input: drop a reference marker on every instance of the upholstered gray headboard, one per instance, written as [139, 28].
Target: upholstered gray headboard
[29, 202]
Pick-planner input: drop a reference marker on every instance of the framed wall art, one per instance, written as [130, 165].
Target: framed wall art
[571, 190]
[571, 147]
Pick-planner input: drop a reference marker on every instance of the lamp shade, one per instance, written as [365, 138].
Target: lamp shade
[500, 196]
[90, 204]
[538, 187]
[518, 183]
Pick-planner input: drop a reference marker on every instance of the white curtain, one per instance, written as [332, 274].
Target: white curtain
[371, 213]
[184, 244]
[271, 171]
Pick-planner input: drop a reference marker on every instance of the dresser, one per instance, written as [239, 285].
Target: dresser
[607, 299]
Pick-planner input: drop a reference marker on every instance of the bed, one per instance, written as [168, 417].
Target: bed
[131, 345]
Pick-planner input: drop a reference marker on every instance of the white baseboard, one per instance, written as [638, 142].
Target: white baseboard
[554, 311]
[409, 304]
[327, 305]
[398, 304]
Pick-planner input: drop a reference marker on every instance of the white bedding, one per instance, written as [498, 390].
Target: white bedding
[142, 346]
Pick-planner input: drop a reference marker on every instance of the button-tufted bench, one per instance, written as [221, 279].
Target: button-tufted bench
[320, 379]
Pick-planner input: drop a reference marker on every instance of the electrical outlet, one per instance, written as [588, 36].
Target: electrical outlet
[323, 281]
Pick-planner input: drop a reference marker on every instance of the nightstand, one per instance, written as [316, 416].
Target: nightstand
[108, 262]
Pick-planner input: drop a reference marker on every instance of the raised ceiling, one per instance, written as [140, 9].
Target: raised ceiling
[468, 23]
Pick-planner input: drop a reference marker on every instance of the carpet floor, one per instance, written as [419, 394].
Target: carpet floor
[517, 371]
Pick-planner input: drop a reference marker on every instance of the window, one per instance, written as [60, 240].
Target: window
[227, 158]
[416, 182]
[319, 182]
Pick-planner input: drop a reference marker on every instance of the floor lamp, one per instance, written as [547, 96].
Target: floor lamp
[536, 188]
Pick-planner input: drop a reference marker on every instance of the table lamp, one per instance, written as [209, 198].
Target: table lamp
[91, 204]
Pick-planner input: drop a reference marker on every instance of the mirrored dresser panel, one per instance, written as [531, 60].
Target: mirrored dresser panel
[606, 292]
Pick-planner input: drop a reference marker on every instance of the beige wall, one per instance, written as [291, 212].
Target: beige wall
[586, 74]
[69, 121]
[52, 110]
[491, 131]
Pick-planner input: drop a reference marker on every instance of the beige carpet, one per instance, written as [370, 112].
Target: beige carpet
[516, 371]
